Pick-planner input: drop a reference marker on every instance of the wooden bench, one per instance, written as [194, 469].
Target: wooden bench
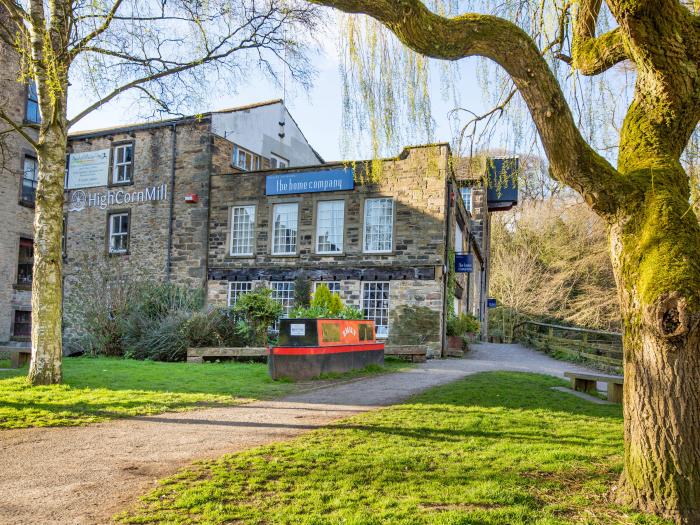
[584, 382]
[19, 355]
[197, 355]
[414, 353]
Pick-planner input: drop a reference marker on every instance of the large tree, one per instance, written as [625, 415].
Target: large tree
[654, 240]
[167, 52]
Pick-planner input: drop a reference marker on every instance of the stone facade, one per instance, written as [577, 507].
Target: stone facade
[420, 184]
[16, 215]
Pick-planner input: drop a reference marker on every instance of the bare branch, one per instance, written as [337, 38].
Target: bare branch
[18, 128]
[573, 161]
[98, 31]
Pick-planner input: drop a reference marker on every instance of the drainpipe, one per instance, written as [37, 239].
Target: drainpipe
[446, 266]
[171, 213]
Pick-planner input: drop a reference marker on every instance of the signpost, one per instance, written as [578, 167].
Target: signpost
[88, 169]
[464, 263]
[336, 179]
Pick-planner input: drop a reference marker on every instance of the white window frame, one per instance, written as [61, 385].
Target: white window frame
[121, 234]
[250, 232]
[283, 293]
[247, 165]
[382, 330]
[366, 226]
[236, 289]
[275, 244]
[277, 162]
[333, 286]
[128, 165]
[330, 223]
[467, 202]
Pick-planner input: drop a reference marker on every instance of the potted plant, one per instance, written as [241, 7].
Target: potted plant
[461, 329]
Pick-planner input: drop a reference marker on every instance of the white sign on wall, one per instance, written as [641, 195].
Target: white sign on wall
[88, 169]
[79, 200]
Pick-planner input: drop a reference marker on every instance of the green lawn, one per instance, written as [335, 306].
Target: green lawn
[100, 389]
[496, 448]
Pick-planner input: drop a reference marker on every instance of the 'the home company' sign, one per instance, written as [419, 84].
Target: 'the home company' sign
[337, 179]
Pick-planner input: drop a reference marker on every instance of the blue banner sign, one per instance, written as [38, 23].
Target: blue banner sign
[491, 302]
[336, 179]
[464, 263]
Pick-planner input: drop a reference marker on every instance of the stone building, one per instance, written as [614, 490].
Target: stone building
[137, 197]
[18, 174]
[385, 243]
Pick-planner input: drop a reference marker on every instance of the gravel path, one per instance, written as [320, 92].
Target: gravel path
[84, 475]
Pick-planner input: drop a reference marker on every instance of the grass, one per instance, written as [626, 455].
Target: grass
[4, 363]
[98, 389]
[495, 448]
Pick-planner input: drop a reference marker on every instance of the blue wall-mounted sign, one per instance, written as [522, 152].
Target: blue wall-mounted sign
[491, 302]
[464, 263]
[336, 179]
[502, 191]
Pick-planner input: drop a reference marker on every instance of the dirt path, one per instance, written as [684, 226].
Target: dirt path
[84, 475]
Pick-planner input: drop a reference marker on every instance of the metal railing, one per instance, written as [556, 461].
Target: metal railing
[600, 348]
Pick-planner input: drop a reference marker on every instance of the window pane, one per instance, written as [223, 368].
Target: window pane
[467, 198]
[375, 306]
[23, 324]
[330, 218]
[122, 158]
[284, 239]
[33, 104]
[25, 261]
[333, 286]
[119, 233]
[283, 293]
[379, 225]
[29, 180]
[237, 289]
[242, 228]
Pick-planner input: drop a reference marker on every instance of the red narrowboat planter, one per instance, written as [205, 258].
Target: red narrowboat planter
[311, 347]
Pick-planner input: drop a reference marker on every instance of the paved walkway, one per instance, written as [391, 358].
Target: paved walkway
[83, 475]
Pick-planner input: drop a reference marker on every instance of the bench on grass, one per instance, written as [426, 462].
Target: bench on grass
[197, 355]
[585, 382]
[19, 355]
[414, 353]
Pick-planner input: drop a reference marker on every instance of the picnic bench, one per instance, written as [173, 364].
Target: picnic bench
[586, 382]
[197, 355]
[19, 355]
[414, 353]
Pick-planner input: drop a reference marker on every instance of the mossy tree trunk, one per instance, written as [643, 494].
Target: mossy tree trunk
[654, 235]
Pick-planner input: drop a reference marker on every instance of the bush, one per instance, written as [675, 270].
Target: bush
[462, 324]
[326, 305]
[259, 310]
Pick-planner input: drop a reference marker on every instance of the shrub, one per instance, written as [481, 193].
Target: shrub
[302, 292]
[326, 305]
[260, 311]
[462, 324]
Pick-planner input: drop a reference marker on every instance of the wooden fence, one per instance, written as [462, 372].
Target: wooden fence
[602, 349]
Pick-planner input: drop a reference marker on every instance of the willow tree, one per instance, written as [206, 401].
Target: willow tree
[654, 242]
[169, 53]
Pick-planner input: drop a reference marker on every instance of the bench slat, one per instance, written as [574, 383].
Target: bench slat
[595, 377]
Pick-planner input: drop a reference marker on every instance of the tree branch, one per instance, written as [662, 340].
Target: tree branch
[572, 160]
[591, 55]
[99, 30]
[19, 129]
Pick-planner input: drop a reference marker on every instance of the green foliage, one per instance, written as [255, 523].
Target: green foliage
[302, 292]
[495, 448]
[260, 311]
[98, 389]
[326, 305]
[459, 325]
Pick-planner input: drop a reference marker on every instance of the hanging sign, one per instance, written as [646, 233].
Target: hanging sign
[464, 263]
[88, 169]
[337, 179]
[491, 302]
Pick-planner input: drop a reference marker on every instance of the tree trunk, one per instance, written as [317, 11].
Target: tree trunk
[47, 286]
[655, 248]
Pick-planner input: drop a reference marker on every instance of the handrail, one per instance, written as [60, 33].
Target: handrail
[568, 328]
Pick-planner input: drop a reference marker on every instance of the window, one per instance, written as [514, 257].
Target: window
[118, 232]
[333, 286]
[22, 326]
[379, 225]
[242, 228]
[330, 217]
[122, 163]
[459, 238]
[236, 289]
[467, 198]
[32, 110]
[243, 159]
[25, 261]
[277, 162]
[284, 224]
[283, 293]
[375, 306]
[30, 174]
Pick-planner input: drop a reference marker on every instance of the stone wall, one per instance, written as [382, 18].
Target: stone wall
[16, 219]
